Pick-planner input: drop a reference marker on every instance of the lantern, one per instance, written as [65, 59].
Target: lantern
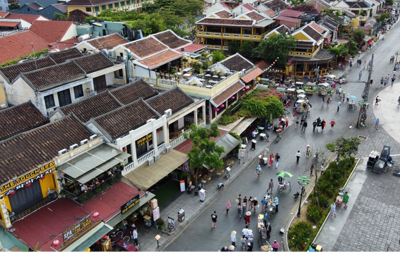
[96, 214]
[243, 89]
[233, 97]
[222, 106]
[258, 79]
[56, 243]
[217, 109]
[247, 87]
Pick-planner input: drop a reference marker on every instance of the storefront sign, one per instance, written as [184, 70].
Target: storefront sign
[130, 204]
[77, 228]
[144, 140]
[27, 179]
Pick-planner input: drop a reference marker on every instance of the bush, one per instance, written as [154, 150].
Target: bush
[314, 213]
[299, 234]
[226, 119]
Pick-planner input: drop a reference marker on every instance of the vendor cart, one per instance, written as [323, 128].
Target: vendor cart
[324, 88]
[300, 106]
[309, 91]
[373, 157]
[384, 162]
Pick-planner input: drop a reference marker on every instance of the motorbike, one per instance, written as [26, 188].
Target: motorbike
[296, 196]
[278, 137]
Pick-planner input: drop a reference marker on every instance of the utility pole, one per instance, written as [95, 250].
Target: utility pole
[316, 168]
[362, 116]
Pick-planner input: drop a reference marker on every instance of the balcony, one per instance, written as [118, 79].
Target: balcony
[73, 190]
[230, 36]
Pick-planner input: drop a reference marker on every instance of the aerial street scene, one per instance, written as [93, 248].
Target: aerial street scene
[199, 126]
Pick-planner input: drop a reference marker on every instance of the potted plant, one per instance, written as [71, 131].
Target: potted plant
[160, 224]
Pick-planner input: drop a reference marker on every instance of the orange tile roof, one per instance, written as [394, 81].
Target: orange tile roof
[316, 27]
[27, 17]
[8, 23]
[107, 42]
[4, 14]
[146, 47]
[160, 59]
[227, 93]
[57, 32]
[15, 46]
[252, 75]
[270, 13]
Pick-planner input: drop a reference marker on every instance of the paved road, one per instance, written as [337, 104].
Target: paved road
[198, 235]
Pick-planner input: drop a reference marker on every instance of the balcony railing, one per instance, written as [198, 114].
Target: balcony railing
[128, 168]
[161, 148]
[146, 156]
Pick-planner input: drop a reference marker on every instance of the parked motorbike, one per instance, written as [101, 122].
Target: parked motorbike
[296, 196]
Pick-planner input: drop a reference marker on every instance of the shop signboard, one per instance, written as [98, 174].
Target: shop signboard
[144, 140]
[26, 179]
[130, 204]
[77, 228]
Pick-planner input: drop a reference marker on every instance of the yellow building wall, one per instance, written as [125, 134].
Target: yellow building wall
[3, 99]
[301, 36]
[71, 8]
[48, 183]
[356, 22]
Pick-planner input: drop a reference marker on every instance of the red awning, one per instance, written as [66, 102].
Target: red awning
[252, 75]
[9, 23]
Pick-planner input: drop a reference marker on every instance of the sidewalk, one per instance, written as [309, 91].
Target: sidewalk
[192, 205]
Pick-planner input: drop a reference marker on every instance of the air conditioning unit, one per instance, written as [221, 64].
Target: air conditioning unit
[91, 138]
[156, 157]
[84, 142]
[74, 146]
[150, 161]
[62, 152]
[168, 113]
[169, 148]
[151, 120]
[131, 80]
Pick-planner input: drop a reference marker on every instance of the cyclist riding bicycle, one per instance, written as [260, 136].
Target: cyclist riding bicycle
[258, 171]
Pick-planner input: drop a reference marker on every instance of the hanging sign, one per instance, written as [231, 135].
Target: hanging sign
[132, 202]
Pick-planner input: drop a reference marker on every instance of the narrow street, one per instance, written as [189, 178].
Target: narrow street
[198, 235]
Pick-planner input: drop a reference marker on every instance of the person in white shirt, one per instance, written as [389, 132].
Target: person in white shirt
[135, 237]
[298, 155]
[245, 231]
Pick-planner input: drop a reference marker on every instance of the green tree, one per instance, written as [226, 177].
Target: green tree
[340, 50]
[263, 105]
[217, 56]
[276, 47]
[344, 147]
[204, 151]
[246, 49]
[383, 17]
[359, 36]
[233, 46]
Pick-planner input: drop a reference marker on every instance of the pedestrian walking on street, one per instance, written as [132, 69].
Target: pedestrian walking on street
[239, 210]
[327, 102]
[270, 186]
[233, 238]
[276, 201]
[345, 199]
[377, 100]
[244, 243]
[245, 231]
[359, 75]
[244, 209]
[332, 124]
[135, 237]
[271, 160]
[323, 124]
[297, 122]
[214, 218]
[393, 79]
[265, 218]
[302, 120]
[239, 199]
[344, 97]
[287, 122]
[263, 204]
[322, 104]
[247, 218]
[268, 230]
[255, 205]
[304, 126]
[227, 207]
[314, 124]
[311, 169]
[338, 106]
[275, 246]
[319, 125]
[277, 158]
[333, 210]
[377, 124]
[298, 155]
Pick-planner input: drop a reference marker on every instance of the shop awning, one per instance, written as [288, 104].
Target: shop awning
[243, 125]
[89, 238]
[99, 170]
[252, 75]
[226, 93]
[228, 142]
[93, 161]
[145, 176]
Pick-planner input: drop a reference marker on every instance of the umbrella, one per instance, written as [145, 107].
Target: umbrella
[300, 91]
[353, 97]
[303, 180]
[330, 76]
[284, 174]
[301, 95]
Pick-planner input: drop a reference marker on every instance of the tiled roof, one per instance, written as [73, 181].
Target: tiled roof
[64, 44]
[27, 17]
[236, 62]
[11, 24]
[15, 46]
[270, 13]
[133, 91]
[251, 75]
[282, 28]
[93, 62]
[170, 39]
[12, 72]
[34, 6]
[19, 119]
[4, 14]
[145, 47]
[329, 23]
[275, 4]
[249, 7]
[29, 150]
[107, 42]
[160, 59]
[92, 107]
[191, 48]
[60, 6]
[291, 13]
[62, 56]
[316, 27]
[288, 19]
[174, 99]
[122, 120]
[51, 31]
[223, 14]
[357, 4]
[312, 33]
[226, 93]
[238, 22]
[255, 15]
[53, 76]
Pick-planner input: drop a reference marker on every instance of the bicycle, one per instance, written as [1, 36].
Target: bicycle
[258, 172]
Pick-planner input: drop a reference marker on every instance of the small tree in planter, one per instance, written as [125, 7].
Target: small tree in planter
[344, 147]
[160, 224]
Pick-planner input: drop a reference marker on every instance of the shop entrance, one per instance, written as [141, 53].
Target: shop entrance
[26, 197]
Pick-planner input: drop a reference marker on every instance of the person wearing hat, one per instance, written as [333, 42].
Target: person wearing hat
[231, 248]
[275, 246]
[247, 218]
[233, 238]
[255, 204]
[224, 249]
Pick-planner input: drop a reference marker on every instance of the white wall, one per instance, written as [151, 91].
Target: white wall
[71, 33]
[82, 45]
[110, 78]
[20, 92]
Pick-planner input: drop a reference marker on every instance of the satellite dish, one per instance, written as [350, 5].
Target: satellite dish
[210, 59]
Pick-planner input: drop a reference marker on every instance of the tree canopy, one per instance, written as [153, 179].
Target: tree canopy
[233, 46]
[276, 47]
[217, 56]
[344, 147]
[204, 151]
[246, 49]
[263, 104]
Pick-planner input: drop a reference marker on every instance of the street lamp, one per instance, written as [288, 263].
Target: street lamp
[362, 116]
[303, 182]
